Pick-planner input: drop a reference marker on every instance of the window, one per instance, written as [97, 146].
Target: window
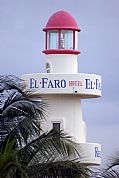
[53, 39]
[60, 39]
[47, 67]
[56, 126]
[66, 39]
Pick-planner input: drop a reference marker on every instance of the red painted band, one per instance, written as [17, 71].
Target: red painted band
[60, 51]
[61, 28]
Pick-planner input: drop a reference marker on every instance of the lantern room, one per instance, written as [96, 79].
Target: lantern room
[61, 34]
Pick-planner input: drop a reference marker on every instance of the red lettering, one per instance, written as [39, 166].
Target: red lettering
[75, 83]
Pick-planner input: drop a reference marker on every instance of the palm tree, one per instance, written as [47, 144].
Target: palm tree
[112, 168]
[9, 165]
[18, 112]
[20, 135]
[19, 123]
[56, 169]
[55, 160]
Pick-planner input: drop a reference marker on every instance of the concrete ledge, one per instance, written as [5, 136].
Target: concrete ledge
[82, 85]
[90, 153]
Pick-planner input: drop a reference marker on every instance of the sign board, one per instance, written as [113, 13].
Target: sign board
[86, 85]
[90, 153]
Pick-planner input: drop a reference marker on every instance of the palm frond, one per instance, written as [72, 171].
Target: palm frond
[20, 114]
[111, 173]
[12, 82]
[23, 117]
[9, 164]
[59, 168]
[20, 119]
[48, 147]
[113, 161]
[112, 168]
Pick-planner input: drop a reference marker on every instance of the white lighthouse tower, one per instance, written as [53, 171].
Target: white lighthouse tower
[63, 86]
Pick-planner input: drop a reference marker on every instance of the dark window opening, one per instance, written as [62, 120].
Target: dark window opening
[56, 126]
[47, 66]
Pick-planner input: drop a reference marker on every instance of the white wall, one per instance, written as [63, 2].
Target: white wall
[66, 109]
[62, 63]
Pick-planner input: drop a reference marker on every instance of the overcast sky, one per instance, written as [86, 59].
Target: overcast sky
[22, 42]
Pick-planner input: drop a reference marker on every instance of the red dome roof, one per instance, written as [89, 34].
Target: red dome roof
[61, 20]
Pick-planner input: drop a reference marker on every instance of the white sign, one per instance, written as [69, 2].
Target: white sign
[83, 84]
[90, 153]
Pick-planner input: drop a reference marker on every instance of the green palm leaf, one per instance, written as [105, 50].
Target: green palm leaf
[20, 114]
[20, 118]
[112, 169]
[59, 168]
[48, 147]
[9, 163]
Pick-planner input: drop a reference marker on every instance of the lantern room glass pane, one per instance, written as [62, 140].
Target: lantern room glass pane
[53, 40]
[66, 39]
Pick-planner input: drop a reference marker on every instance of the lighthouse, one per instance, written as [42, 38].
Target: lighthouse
[63, 86]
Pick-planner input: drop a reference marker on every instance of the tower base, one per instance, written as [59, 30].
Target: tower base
[89, 153]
